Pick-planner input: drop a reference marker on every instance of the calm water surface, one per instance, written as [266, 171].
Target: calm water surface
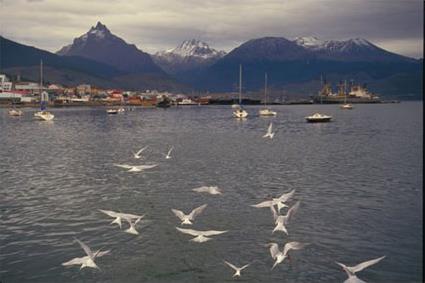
[359, 180]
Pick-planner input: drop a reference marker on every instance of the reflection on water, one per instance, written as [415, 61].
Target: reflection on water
[359, 180]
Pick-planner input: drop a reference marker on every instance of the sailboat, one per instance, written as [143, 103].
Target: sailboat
[239, 112]
[13, 111]
[266, 111]
[44, 99]
[346, 105]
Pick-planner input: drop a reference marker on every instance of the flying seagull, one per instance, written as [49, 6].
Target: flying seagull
[126, 216]
[138, 155]
[237, 269]
[86, 261]
[135, 168]
[351, 270]
[188, 218]
[212, 190]
[270, 133]
[279, 202]
[200, 236]
[282, 220]
[279, 256]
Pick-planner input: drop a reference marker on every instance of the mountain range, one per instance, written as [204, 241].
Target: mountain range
[294, 66]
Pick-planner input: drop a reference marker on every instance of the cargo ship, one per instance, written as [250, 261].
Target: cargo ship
[356, 94]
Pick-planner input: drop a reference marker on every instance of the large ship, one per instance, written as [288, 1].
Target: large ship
[356, 94]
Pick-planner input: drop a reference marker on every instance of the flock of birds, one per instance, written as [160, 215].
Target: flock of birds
[281, 222]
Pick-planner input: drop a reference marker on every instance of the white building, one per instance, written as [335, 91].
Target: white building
[5, 85]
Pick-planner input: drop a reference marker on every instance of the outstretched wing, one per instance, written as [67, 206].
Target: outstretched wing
[200, 189]
[102, 253]
[293, 246]
[178, 213]
[286, 196]
[86, 249]
[292, 211]
[270, 128]
[245, 266]
[266, 203]
[197, 211]
[189, 231]
[171, 149]
[274, 250]
[142, 167]
[74, 261]
[365, 264]
[125, 166]
[274, 212]
[141, 150]
[109, 213]
[231, 265]
[212, 232]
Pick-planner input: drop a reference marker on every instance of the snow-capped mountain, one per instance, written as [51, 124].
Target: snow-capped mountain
[101, 45]
[189, 55]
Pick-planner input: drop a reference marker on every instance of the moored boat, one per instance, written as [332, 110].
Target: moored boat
[266, 111]
[317, 118]
[15, 112]
[239, 112]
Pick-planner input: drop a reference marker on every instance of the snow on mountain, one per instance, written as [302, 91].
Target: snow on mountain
[308, 41]
[313, 43]
[192, 48]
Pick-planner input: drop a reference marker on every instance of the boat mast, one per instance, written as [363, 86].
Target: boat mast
[240, 84]
[265, 89]
[345, 91]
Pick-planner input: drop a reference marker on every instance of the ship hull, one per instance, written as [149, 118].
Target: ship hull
[337, 99]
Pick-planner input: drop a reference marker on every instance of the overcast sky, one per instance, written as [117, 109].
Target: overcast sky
[154, 25]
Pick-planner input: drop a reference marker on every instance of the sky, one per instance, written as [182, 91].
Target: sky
[155, 25]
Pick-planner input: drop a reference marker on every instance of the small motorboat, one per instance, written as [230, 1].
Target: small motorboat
[112, 111]
[15, 112]
[267, 112]
[317, 118]
[44, 115]
[346, 106]
[121, 110]
[240, 113]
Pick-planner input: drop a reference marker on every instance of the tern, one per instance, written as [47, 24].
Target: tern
[135, 168]
[168, 156]
[279, 256]
[212, 190]
[200, 236]
[188, 218]
[269, 133]
[86, 261]
[282, 220]
[138, 155]
[126, 216]
[237, 269]
[279, 202]
[351, 270]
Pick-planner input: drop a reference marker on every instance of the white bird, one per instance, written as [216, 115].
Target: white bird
[279, 256]
[279, 202]
[212, 190]
[237, 269]
[168, 156]
[200, 236]
[126, 216]
[188, 218]
[270, 133]
[138, 155]
[282, 220]
[351, 270]
[86, 261]
[135, 168]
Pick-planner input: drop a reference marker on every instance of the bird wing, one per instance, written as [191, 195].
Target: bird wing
[197, 211]
[266, 203]
[365, 264]
[293, 246]
[142, 167]
[212, 232]
[292, 211]
[141, 150]
[85, 248]
[129, 215]
[178, 213]
[286, 196]
[125, 166]
[200, 189]
[269, 129]
[74, 261]
[274, 250]
[245, 266]
[231, 265]
[274, 212]
[102, 253]
[189, 231]
[171, 149]
[109, 213]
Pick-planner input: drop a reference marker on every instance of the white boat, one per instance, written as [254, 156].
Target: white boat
[43, 114]
[15, 112]
[266, 111]
[121, 110]
[112, 111]
[346, 105]
[239, 112]
[317, 118]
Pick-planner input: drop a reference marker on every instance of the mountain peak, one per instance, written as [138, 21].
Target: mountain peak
[308, 41]
[193, 48]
